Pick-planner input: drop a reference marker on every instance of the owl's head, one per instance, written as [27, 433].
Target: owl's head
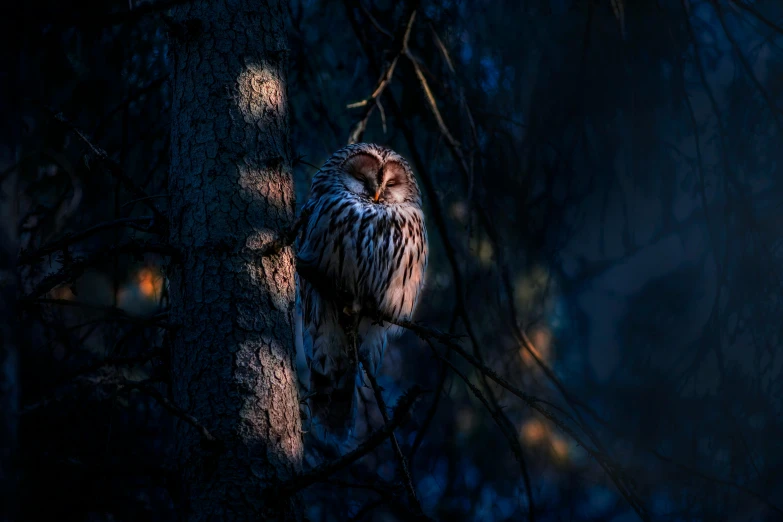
[376, 173]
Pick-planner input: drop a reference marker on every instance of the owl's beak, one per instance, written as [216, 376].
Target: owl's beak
[377, 195]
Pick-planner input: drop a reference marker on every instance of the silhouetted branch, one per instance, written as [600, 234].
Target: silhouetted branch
[115, 169]
[716, 480]
[75, 268]
[755, 12]
[373, 21]
[113, 361]
[748, 69]
[124, 104]
[111, 19]
[405, 474]
[319, 473]
[172, 408]
[505, 428]
[422, 431]
[111, 311]
[29, 257]
[604, 460]
[374, 99]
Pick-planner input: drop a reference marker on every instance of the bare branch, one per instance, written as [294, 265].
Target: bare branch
[29, 257]
[373, 21]
[111, 311]
[748, 69]
[319, 473]
[406, 476]
[114, 169]
[502, 423]
[373, 100]
[164, 401]
[113, 361]
[78, 266]
[755, 12]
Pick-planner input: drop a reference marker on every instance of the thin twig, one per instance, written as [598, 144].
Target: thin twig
[113, 361]
[319, 473]
[373, 21]
[505, 428]
[117, 313]
[774, 109]
[766, 21]
[78, 266]
[404, 472]
[114, 168]
[176, 411]
[357, 132]
[29, 257]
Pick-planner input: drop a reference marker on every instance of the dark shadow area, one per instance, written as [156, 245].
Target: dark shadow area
[603, 197]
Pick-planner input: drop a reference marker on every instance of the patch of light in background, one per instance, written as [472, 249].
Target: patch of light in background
[542, 313]
[142, 292]
[482, 249]
[538, 435]
[540, 309]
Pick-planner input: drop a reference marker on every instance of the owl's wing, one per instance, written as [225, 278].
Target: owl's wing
[303, 343]
[332, 368]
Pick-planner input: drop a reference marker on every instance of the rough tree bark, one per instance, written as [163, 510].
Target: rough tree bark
[231, 193]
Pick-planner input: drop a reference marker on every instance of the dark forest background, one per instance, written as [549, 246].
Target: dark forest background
[602, 182]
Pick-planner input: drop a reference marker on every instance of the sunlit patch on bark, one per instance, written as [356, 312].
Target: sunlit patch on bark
[259, 91]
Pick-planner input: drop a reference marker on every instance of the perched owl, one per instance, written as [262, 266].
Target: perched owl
[365, 242]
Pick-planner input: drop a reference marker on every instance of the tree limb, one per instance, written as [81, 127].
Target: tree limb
[404, 472]
[319, 473]
[27, 257]
[72, 270]
[114, 169]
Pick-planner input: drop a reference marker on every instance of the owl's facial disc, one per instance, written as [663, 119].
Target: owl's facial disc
[362, 174]
[394, 182]
[381, 183]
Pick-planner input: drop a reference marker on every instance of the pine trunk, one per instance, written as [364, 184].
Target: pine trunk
[231, 192]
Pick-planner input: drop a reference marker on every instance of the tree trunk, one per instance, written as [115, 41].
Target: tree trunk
[231, 192]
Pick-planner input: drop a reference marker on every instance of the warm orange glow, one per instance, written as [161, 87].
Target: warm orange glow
[533, 431]
[150, 283]
[62, 292]
[540, 344]
[559, 449]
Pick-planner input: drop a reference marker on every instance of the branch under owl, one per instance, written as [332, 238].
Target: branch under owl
[320, 473]
[328, 290]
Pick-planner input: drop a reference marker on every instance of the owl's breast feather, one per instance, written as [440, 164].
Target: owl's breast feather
[376, 252]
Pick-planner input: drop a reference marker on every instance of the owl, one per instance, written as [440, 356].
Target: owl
[365, 242]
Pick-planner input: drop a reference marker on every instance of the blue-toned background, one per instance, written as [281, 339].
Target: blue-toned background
[609, 178]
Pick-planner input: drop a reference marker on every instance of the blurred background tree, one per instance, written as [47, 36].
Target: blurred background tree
[603, 196]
